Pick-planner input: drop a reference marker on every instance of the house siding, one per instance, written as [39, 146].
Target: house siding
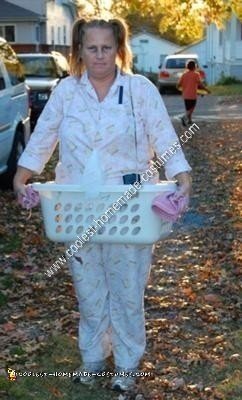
[224, 51]
[198, 48]
[149, 50]
[236, 71]
[58, 18]
[56, 15]
[25, 32]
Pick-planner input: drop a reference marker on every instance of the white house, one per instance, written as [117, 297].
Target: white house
[150, 50]
[37, 23]
[199, 48]
[224, 50]
[220, 52]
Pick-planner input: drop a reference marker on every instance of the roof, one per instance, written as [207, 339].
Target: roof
[154, 35]
[191, 45]
[182, 55]
[12, 12]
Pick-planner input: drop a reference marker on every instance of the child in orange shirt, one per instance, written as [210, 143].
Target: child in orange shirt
[189, 82]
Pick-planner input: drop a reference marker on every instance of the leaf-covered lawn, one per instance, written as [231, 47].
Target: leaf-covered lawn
[193, 299]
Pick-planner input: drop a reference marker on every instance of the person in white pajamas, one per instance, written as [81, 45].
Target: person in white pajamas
[91, 111]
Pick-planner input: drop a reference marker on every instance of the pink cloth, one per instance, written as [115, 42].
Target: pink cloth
[30, 199]
[170, 205]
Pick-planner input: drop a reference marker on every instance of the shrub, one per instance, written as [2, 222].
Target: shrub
[228, 80]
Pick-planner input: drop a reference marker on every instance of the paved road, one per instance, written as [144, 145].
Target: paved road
[208, 108]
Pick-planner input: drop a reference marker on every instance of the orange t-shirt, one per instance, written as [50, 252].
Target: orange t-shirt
[189, 82]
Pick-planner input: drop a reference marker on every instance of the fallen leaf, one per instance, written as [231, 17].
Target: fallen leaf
[177, 383]
[213, 299]
[9, 326]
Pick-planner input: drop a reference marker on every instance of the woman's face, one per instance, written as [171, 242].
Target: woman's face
[99, 52]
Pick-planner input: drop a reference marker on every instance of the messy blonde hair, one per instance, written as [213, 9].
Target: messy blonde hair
[120, 32]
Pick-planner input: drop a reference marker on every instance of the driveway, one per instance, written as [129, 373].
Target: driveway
[209, 108]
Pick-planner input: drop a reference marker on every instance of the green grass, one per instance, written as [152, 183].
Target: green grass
[231, 385]
[226, 90]
[6, 282]
[3, 299]
[61, 355]
[10, 243]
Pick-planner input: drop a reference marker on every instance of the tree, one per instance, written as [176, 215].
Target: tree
[185, 20]
[98, 8]
[182, 21]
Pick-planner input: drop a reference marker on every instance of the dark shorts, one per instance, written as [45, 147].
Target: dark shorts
[189, 104]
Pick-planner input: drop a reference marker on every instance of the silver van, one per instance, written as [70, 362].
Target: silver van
[14, 113]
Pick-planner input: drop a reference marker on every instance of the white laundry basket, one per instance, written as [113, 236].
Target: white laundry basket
[103, 215]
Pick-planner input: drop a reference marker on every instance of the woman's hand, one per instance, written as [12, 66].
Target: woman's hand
[20, 179]
[27, 197]
[19, 189]
[184, 181]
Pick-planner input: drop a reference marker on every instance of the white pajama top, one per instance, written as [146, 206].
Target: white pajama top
[75, 117]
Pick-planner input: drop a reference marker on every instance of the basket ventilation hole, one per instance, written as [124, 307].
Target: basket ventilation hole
[136, 230]
[89, 206]
[68, 218]
[79, 218]
[59, 229]
[113, 230]
[79, 230]
[112, 219]
[78, 207]
[58, 206]
[123, 219]
[58, 218]
[135, 207]
[67, 207]
[124, 230]
[90, 219]
[135, 219]
[123, 207]
[101, 230]
[69, 229]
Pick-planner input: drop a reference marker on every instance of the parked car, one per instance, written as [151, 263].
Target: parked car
[14, 113]
[172, 69]
[43, 72]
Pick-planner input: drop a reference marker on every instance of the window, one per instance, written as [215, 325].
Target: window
[2, 82]
[8, 32]
[177, 63]
[37, 34]
[38, 66]
[52, 35]
[135, 58]
[220, 38]
[64, 34]
[59, 35]
[228, 30]
[239, 30]
[162, 57]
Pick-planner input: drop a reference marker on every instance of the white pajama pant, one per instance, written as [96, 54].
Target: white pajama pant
[109, 281]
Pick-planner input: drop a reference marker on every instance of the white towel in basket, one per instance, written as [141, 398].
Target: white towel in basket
[93, 176]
